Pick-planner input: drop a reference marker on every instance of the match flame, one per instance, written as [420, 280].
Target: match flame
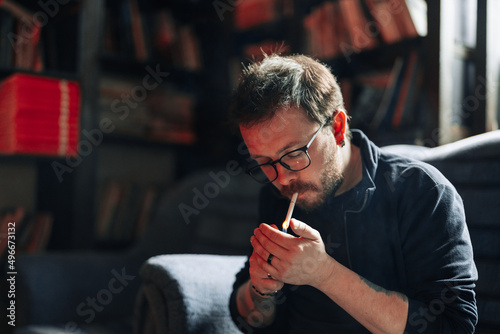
[285, 225]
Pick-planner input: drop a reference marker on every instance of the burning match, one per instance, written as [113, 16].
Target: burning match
[286, 223]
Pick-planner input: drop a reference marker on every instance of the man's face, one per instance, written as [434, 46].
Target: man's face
[288, 130]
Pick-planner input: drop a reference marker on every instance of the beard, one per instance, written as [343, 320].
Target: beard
[330, 181]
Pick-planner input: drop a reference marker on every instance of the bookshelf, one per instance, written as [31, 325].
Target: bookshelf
[31, 40]
[142, 80]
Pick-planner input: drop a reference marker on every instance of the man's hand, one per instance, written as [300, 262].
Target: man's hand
[258, 275]
[299, 261]
[304, 261]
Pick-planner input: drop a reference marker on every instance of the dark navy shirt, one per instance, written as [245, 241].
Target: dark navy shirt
[403, 228]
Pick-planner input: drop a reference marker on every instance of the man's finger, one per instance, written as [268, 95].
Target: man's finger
[304, 230]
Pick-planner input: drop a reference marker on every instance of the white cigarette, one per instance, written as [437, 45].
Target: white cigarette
[286, 223]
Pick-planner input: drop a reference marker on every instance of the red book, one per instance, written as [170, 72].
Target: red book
[251, 13]
[385, 16]
[39, 115]
[356, 23]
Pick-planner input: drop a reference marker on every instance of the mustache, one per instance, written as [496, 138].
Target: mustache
[298, 187]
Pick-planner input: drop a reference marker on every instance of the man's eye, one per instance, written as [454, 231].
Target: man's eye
[293, 155]
[266, 167]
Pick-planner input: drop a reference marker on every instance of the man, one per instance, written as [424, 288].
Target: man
[379, 242]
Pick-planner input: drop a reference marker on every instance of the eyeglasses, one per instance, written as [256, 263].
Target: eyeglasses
[295, 161]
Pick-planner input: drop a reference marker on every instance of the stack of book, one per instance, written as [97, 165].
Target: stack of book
[150, 35]
[39, 115]
[343, 27]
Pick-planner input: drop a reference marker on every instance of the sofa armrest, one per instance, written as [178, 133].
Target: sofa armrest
[55, 288]
[186, 294]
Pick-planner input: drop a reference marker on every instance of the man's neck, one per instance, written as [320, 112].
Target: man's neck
[353, 168]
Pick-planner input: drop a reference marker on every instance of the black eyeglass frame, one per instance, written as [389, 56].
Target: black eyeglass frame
[273, 163]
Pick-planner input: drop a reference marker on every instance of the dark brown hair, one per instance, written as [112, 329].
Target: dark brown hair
[290, 81]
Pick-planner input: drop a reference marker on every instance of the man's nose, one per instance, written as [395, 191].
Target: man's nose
[285, 176]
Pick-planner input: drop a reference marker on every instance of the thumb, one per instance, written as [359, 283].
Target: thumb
[304, 230]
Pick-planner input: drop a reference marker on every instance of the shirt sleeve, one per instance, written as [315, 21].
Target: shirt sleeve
[438, 260]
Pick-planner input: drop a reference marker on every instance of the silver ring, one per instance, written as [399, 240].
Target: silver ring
[269, 275]
[270, 258]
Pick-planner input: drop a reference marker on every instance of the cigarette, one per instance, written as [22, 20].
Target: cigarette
[286, 223]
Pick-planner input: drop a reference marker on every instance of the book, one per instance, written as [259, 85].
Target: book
[39, 115]
[356, 25]
[23, 232]
[186, 52]
[404, 19]
[399, 19]
[164, 115]
[324, 28]
[252, 13]
[337, 28]
[21, 38]
[407, 88]
[138, 32]
[147, 206]
[171, 117]
[125, 211]
[367, 92]
[109, 200]
[386, 106]
[37, 233]
[132, 34]
[386, 99]
[11, 223]
[382, 12]
[174, 43]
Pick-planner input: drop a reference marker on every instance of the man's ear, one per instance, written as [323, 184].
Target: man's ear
[339, 126]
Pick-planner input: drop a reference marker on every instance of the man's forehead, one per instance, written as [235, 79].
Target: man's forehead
[284, 130]
[283, 119]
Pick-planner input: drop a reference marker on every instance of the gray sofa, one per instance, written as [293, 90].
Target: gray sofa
[189, 293]
[183, 292]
